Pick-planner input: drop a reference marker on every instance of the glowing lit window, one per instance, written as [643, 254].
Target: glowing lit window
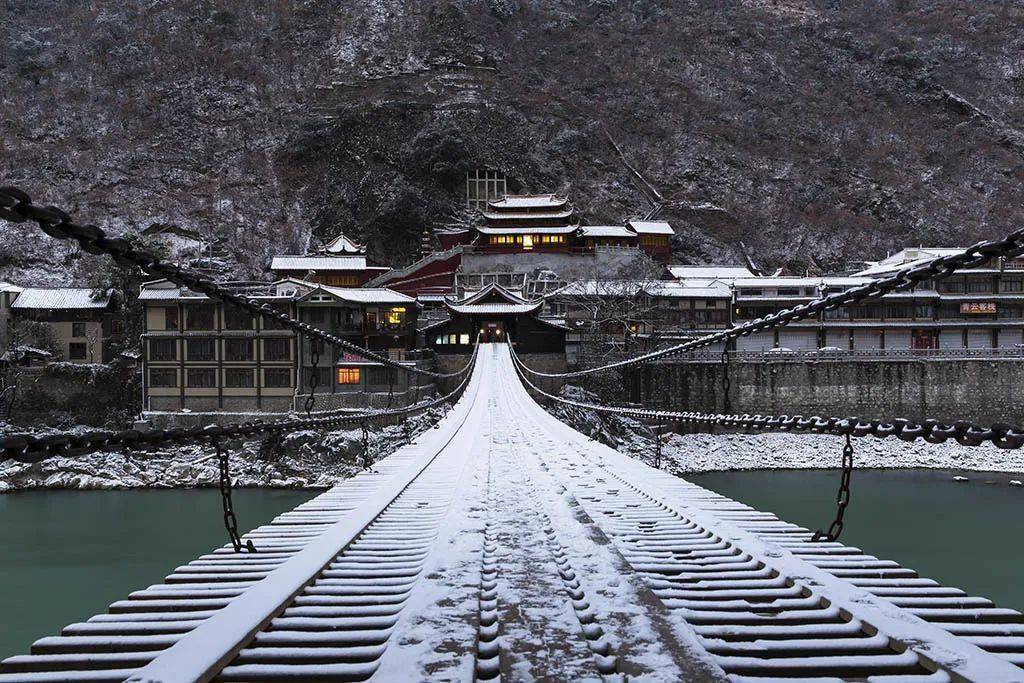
[396, 316]
[527, 241]
[439, 340]
[464, 339]
[348, 375]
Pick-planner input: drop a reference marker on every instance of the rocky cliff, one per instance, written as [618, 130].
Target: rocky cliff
[810, 131]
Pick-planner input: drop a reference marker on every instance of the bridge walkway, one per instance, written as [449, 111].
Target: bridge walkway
[504, 544]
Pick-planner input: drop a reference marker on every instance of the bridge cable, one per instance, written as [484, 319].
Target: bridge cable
[30, 448]
[314, 377]
[726, 402]
[230, 520]
[842, 497]
[962, 431]
[935, 269]
[16, 206]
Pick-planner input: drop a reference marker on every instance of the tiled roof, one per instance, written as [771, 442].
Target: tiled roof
[369, 295]
[527, 201]
[494, 309]
[61, 298]
[652, 227]
[606, 231]
[508, 230]
[710, 271]
[321, 263]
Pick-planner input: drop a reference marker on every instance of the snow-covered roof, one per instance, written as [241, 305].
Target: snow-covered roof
[61, 298]
[524, 215]
[369, 295]
[527, 201]
[320, 263]
[606, 231]
[651, 227]
[905, 258]
[493, 287]
[705, 289]
[680, 290]
[494, 308]
[759, 282]
[8, 287]
[710, 271]
[343, 245]
[559, 230]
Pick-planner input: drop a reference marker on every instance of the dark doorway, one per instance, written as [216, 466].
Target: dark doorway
[492, 331]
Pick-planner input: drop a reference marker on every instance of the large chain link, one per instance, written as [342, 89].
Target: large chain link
[842, 498]
[230, 520]
[938, 268]
[32, 448]
[314, 377]
[16, 206]
[963, 432]
[726, 384]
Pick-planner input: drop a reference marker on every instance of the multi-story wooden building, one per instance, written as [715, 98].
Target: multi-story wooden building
[203, 356]
[73, 324]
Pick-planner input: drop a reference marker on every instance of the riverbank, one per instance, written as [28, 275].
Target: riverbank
[688, 453]
[301, 460]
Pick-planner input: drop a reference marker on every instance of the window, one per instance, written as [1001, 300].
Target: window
[163, 377]
[77, 329]
[277, 377]
[238, 349]
[979, 285]
[199, 317]
[396, 316]
[342, 280]
[924, 311]
[380, 376]
[345, 318]
[201, 378]
[348, 376]
[200, 349]
[163, 349]
[76, 351]
[323, 376]
[1013, 284]
[238, 378]
[789, 291]
[171, 318]
[237, 319]
[271, 324]
[464, 339]
[276, 349]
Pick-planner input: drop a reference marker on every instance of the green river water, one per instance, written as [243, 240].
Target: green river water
[66, 555]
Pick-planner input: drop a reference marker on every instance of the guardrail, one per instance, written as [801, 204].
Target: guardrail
[854, 354]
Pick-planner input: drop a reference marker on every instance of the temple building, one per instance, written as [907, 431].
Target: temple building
[494, 314]
[339, 263]
[527, 234]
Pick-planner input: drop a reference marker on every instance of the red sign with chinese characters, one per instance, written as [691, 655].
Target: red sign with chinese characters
[978, 307]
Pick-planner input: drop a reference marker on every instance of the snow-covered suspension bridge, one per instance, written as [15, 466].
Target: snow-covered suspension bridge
[505, 544]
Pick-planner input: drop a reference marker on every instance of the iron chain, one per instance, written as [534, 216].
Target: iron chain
[726, 402]
[963, 432]
[230, 520]
[16, 206]
[938, 268]
[842, 498]
[314, 377]
[31, 448]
